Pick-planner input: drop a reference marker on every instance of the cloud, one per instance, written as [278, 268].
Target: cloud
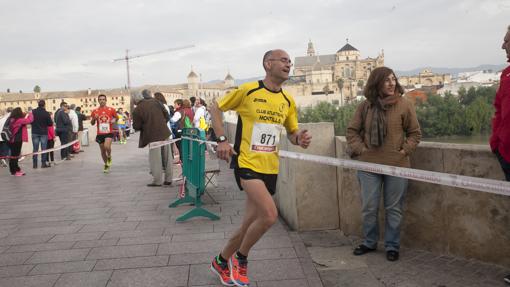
[69, 45]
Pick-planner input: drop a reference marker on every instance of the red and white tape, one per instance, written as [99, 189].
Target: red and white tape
[448, 179]
[41, 152]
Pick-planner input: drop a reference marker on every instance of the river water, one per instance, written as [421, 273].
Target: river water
[478, 139]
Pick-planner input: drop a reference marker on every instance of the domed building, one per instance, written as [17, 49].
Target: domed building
[193, 80]
[346, 67]
[229, 81]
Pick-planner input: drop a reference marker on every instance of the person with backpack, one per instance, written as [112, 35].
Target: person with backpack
[175, 122]
[187, 115]
[4, 138]
[18, 127]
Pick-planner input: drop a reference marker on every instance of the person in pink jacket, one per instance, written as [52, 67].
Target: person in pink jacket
[51, 143]
[18, 126]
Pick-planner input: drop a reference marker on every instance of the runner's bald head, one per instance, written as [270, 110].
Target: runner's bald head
[266, 57]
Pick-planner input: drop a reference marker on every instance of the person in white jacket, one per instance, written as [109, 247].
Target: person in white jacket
[73, 116]
[199, 112]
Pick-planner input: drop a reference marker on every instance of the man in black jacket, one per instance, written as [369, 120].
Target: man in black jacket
[42, 121]
[64, 127]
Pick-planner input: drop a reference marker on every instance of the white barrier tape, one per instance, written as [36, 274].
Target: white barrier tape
[154, 145]
[45, 151]
[200, 141]
[467, 182]
[461, 181]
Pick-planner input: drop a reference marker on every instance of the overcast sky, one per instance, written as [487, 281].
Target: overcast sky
[70, 45]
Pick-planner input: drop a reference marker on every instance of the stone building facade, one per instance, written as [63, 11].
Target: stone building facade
[87, 100]
[425, 79]
[343, 73]
[119, 98]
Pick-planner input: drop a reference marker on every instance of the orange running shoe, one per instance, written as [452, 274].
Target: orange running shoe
[239, 271]
[221, 269]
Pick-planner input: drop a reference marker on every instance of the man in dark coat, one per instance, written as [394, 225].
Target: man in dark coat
[63, 128]
[150, 118]
[42, 120]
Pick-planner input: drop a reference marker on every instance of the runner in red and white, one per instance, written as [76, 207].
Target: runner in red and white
[104, 117]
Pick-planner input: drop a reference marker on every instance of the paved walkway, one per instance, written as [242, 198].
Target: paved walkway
[72, 225]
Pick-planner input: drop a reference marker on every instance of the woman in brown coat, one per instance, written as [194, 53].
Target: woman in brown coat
[384, 130]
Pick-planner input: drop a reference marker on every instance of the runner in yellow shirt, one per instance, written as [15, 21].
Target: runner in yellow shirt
[264, 109]
[121, 126]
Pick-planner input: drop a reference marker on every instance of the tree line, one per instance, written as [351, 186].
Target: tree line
[467, 114]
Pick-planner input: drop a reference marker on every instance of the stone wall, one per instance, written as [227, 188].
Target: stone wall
[442, 219]
[307, 192]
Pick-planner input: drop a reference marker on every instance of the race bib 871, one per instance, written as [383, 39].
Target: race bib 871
[265, 137]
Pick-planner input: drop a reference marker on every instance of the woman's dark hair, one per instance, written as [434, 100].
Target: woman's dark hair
[159, 96]
[186, 104]
[375, 83]
[17, 113]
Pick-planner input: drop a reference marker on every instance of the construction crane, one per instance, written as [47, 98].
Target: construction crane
[128, 57]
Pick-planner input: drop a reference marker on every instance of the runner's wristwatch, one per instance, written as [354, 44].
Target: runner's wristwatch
[221, 139]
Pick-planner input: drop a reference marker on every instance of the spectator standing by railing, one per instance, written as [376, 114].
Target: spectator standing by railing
[4, 145]
[150, 118]
[81, 118]
[73, 135]
[199, 113]
[42, 120]
[175, 125]
[384, 130]
[51, 143]
[18, 126]
[500, 138]
[63, 129]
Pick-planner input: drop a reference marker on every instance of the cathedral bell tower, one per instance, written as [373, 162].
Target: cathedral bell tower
[311, 50]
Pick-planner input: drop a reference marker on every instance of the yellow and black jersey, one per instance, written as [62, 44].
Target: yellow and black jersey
[262, 115]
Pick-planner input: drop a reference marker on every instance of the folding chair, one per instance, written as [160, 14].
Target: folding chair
[212, 169]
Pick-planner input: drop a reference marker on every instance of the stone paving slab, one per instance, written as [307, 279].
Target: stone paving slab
[84, 279]
[160, 276]
[14, 258]
[96, 243]
[123, 251]
[58, 256]
[15, 271]
[63, 267]
[76, 237]
[130, 263]
[30, 281]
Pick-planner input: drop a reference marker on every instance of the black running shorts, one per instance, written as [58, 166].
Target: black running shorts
[101, 138]
[247, 174]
